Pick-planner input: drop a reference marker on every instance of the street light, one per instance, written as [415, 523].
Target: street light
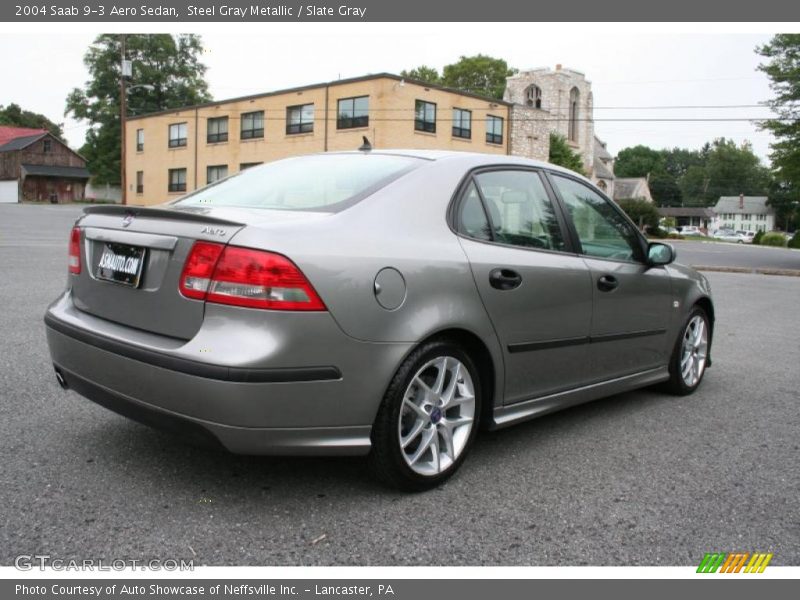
[126, 71]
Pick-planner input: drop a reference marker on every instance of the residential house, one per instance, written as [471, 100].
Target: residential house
[743, 213]
[37, 166]
[696, 216]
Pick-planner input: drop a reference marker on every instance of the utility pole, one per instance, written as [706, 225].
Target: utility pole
[123, 115]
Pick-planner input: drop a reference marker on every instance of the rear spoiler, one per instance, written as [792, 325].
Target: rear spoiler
[198, 215]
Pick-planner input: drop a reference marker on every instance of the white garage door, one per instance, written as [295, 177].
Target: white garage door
[8, 192]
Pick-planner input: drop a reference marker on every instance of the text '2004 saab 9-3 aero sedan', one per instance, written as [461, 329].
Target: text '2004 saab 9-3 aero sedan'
[383, 303]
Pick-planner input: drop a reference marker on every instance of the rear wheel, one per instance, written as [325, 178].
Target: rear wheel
[427, 419]
[690, 355]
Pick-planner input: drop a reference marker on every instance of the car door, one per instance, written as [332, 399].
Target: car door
[632, 301]
[537, 293]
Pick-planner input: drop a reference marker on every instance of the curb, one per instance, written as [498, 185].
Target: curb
[755, 271]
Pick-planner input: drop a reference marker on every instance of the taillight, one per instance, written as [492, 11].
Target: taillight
[246, 277]
[75, 250]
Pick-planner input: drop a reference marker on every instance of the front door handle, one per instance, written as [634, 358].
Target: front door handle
[607, 283]
[504, 279]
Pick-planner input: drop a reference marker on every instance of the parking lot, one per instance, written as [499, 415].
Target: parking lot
[641, 478]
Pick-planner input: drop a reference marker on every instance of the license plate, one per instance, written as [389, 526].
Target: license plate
[121, 264]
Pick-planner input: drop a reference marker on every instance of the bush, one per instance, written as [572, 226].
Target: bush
[675, 236]
[656, 232]
[758, 236]
[773, 238]
[640, 211]
[795, 241]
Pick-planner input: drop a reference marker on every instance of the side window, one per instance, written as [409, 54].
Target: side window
[520, 210]
[472, 221]
[602, 231]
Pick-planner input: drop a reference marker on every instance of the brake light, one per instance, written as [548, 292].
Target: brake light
[75, 250]
[246, 277]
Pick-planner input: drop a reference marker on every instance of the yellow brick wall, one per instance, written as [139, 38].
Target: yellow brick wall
[391, 125]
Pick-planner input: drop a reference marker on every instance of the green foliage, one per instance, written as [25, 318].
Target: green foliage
[783, 69]
[478, 74]
[642, 212]
[784, 197]
[795, 241]
[15, 116]
[563, 155]
[681, 177]
[773, 238]
[423, 73]
[169, 63]
[757, 237]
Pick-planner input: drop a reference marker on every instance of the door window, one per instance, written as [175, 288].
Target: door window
[520, 211]
[603, 232]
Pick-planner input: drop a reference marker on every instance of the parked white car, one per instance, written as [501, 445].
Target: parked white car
[692, 230]
[748, 236]
[728, 235]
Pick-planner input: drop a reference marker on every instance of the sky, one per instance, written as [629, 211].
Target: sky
[631, 73]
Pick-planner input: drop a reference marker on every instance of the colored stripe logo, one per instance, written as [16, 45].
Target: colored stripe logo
[734, 562]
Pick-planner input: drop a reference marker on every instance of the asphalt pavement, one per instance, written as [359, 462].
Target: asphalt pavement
[736, 256]
[641, 478]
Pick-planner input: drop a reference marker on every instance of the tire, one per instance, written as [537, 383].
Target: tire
[681, 382]
[415, 421]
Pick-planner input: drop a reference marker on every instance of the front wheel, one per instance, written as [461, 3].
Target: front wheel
[690, 355]
[427, 419]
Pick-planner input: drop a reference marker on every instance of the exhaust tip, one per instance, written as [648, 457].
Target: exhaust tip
[61, 381]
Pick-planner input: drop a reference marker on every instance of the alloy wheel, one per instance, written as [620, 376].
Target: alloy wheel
[437, 416]
[694, 350]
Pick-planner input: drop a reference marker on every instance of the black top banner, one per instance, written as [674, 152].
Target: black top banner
[130, 11]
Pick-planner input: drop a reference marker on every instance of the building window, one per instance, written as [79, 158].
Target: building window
[352, 113]
[216, 172]
[245, 166]
[217, 130]
[140, 140]
[177, 135]
[494, 130]
[252, 125]
[462, 123]
[300, 119]
[533, 96]
[177, 180]
[574, 97]
[47, 146]
[139, 182]
[602, 185]
[425, 116]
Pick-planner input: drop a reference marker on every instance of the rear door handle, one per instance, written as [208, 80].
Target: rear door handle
[607, 283]
[504, 279]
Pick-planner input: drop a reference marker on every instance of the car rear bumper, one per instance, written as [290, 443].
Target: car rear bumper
[249, 407]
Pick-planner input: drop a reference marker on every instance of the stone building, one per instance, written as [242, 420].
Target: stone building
[551, 101]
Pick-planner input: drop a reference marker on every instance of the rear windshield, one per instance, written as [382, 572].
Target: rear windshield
[325, 183]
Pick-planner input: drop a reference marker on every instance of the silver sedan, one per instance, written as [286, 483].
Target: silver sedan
[380, 303]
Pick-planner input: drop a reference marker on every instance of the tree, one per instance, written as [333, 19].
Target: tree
[423, 73]
[170, 64]
[15, 116]
[783, 70]
[638, 161]
[478, 74]
[563, 155]
[642, 212]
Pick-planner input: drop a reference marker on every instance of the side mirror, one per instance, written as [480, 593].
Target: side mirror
[660, 254]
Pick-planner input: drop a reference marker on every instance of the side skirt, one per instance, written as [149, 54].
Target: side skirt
[505, 416]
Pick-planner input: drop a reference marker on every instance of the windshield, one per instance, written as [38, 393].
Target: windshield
[325, 183]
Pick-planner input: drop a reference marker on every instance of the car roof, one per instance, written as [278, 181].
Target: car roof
[468, 159]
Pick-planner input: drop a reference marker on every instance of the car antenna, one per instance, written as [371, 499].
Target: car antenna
[366, 146]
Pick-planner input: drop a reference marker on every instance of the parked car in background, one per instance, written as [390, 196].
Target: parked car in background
[747, 236]
[728, 235]
[381, 303]
[692, 230]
